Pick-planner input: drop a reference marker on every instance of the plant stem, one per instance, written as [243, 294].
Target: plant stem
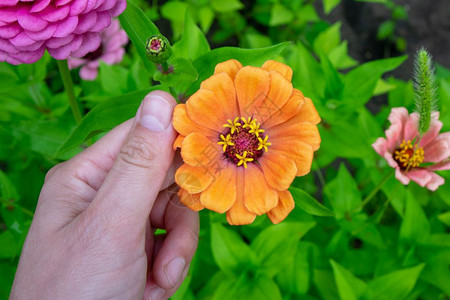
[8, 203]
[376, 189]
[68, 86]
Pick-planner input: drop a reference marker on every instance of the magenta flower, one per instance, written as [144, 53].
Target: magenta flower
[414, 158]
[62, 27]
[111, 51]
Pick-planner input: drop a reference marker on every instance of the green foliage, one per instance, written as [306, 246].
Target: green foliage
[337, 243]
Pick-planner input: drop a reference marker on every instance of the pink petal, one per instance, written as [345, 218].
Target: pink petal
[86, 22]
[33, 47]
[380, 146]
[394, 136]
[30, 21]
[66, 50]
[61, 2]
[88, 73]
[443, 165]
[6, 46]
[113, 57]
[439, 149]
[91, 42]
[9, 31]
[55, 42]
[420, 176]
[53, 14]
[410, 130]
[29, 57]
[8, 2]
[435, 182]
[90, 6]
[103, 21]
[45, 34]
[107, 5]
[401, 177]
[119, 8]
[75, 62]
[8, 15]
[433, 131]
[390, 160]
[77, 7]
[22, 40]
[39, 5]
[66, 27]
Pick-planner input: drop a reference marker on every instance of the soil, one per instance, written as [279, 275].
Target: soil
[427, 25]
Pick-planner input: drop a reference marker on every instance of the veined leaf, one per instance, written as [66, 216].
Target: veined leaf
[309, 204]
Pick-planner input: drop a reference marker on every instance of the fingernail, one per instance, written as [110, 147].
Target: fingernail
[174, 269]
[155, 113]
[156, 293]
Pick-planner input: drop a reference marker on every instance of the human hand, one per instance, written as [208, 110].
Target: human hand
[92, 232]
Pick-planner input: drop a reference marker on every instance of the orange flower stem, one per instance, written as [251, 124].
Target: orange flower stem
[375, 190]
[68, 86]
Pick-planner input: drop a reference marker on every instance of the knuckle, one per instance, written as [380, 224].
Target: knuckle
[138, 152]
[52, 172]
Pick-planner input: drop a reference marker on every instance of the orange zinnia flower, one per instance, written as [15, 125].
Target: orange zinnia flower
[244, 136]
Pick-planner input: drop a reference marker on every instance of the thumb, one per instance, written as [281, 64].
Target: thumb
[134, 181]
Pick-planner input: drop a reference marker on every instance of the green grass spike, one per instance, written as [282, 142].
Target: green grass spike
[425, 89]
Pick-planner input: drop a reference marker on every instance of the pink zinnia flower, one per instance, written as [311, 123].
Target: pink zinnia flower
[63, 27]
[415, 158]
[111, 51]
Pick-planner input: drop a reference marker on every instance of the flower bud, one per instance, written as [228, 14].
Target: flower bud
[158, 49]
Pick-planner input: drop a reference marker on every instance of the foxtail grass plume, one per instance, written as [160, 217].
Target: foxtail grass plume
[425, 89]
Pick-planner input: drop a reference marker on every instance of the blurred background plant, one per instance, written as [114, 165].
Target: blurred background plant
[348, 57]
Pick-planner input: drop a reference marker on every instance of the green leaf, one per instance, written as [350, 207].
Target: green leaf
[360, 83]
[113, 79]
[334, 86]
[328, 39]
[415, 226]
[445, 218]
[7, 189]
[276, 244]
[230, 252]
[175, 11]
[261, 287]
[183, 72]
[280, 15]
[9, 245]
[386, 30]
[226, 6]
[309, 204]
[205, 64]
[349, 286]
[296, 276]
[193, 43]
[343, 193]
[383, 87]
[138, 28]
[397, 284]
[339, 57]
[329, 5]
[105, 116]
[205, 17]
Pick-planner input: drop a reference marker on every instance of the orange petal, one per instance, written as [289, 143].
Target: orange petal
[231, 67]
[184, 125]
[193, 179]
[295, 129]
[279, 170]
[301, 153]
[259, 197]
[285, 205]
[190, 200]
[238, 214]
[221, 194]
[252, 85]
[279, 93]
[208, 109]
[198, 150]
[308, 113]
[284, 70]
[290, 109]
[223, 88]
[178, 141]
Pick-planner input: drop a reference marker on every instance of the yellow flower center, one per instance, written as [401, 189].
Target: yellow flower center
[409, 155]
[243, 141]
